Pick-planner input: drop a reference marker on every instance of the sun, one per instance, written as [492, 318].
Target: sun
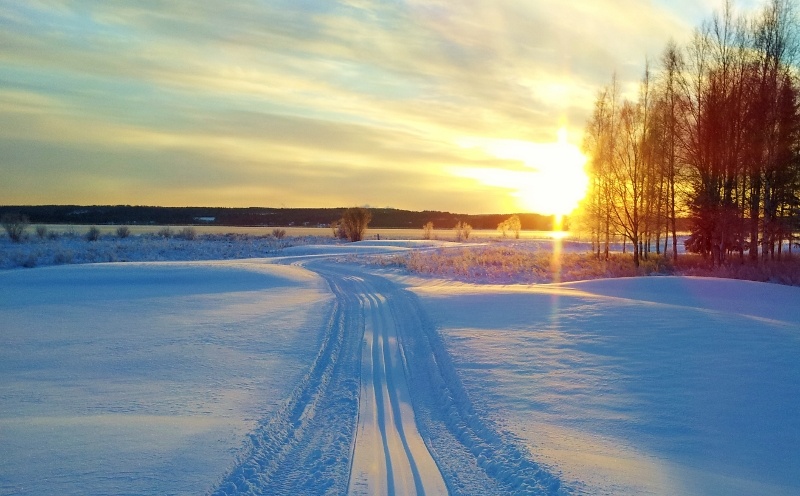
[553, 180]
[557, 182]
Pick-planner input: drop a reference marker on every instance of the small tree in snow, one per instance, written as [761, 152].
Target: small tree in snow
[427, 229]
[355, 221]
[462, 230]
[511, 224]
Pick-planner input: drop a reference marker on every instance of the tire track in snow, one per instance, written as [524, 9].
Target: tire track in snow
[474, 455]
[386, 417]
[381, 411]
[471, 453]
[305, 447]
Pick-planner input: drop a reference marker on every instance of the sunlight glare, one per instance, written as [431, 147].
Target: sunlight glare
[554, 181]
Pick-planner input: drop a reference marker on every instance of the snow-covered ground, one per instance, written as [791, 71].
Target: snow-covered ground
[146, 378]
[658, 385]
[301, 374]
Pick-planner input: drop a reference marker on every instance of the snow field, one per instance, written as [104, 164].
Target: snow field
[69, 249]
[655, 385]
[145, 378]
[321, 377]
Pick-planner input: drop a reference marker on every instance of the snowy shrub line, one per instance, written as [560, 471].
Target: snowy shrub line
[72, 248]
[513, 264]
[531, 264]
[786, 271]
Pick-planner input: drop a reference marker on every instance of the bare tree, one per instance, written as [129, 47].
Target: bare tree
[599, 144]
[427, 230]
[672, 66]
[459, 231]
[512, 224]
[718, 137]
[503, 228]
[628, 174]
[354, 222]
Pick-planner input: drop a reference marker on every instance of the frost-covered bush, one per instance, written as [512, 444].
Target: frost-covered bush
[73, 249]
[187, 233]
[63, 257]
[15, 225]
[531, 263]
[462, 231]
[512, 224]
[520, 263]
[427, 229]
[93, 234]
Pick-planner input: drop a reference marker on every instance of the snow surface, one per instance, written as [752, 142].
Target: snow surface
[145, 378]
[659, 385]
[301, 374]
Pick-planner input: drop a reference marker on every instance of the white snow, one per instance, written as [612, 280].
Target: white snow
[303, 375]
[389, 456]
[145, 378]
[659, 385]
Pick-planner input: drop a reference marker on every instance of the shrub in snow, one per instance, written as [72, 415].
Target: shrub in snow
[279, 233]
[29, 261]
[187, 233]
[521, 264]
[15, 225]
[123, 232]
[93, 234]
[427, 229]
[512, 224]
[63, 257]
[462, 230]
[165, 232]
[355, 221]
[41, 232]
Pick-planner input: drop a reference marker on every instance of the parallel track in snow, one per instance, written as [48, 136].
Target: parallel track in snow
[381, 411]
[390, 456]
[305, 448]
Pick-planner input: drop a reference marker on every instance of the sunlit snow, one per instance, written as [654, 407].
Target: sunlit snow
[160, 378]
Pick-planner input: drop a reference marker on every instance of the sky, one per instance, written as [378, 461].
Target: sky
[475, 106]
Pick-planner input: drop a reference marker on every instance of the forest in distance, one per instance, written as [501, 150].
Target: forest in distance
[713, 135]
[385, 218]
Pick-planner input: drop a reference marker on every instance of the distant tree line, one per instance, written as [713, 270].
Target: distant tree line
[256, 216]
[714, 135]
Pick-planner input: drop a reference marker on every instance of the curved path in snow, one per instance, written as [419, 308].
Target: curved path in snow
[381, 411]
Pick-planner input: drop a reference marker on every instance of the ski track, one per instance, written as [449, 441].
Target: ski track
[381, 411]
[386, 418]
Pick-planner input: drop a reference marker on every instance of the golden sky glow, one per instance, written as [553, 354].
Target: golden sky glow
[552, 181]
[419, 104]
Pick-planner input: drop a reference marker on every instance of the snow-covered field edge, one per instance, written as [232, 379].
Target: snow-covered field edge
[498, 261]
